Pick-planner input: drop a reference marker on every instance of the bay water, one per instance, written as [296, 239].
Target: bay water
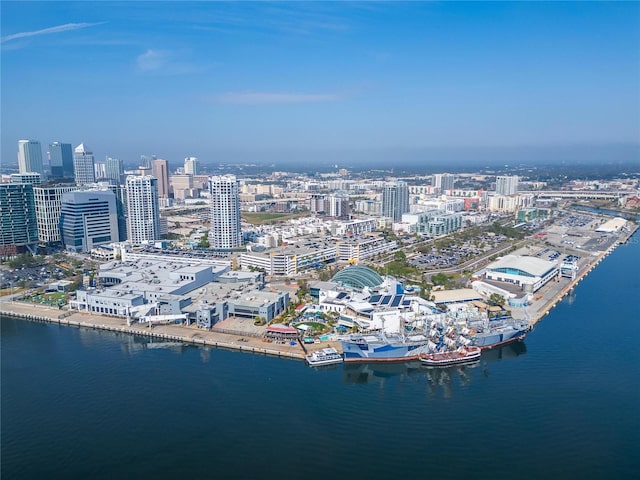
[79, 403]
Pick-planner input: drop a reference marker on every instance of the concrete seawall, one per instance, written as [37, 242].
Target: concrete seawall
[200, 337]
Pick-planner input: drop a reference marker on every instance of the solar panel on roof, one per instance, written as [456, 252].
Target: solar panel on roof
[341, 295]
[406, 303]
[396, 300]
[375, 299]
[386, 300]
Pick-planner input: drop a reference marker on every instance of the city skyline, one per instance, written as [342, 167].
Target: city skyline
[341, 82]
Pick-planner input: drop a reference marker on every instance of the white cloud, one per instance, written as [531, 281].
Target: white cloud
[46, 31]
[264, 98]
[168, 62]
[152, 60]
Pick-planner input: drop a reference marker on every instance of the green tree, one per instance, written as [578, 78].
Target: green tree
[303, 288]
[204, 240]
[496, 299]
[399, 256]
[440, 279]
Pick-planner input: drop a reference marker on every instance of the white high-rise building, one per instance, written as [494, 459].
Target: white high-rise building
[30, 157]
[191, 165]
[225, 230]
[143, 221]
[83, 165]
[443, 182]
[395, 200]
[48, 205]
[507, 185]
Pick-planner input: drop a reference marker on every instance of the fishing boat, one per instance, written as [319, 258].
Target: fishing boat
[451, 357]
[325, 356]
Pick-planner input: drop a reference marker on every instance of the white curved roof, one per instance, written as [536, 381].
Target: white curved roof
[532, 265]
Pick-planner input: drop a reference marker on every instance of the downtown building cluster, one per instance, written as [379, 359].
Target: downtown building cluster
[76, 203]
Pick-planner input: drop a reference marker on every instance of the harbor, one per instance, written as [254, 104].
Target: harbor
[233, 334]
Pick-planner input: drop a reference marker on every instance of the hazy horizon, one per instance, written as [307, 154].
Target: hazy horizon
[324, 82]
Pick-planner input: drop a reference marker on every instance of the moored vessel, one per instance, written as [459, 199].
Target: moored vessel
[325, 356]
[495, 333]
[458, 356]
[382, 348]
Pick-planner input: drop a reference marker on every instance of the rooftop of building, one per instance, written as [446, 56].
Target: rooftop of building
[456, 295]
[358, 276]
[531, 265]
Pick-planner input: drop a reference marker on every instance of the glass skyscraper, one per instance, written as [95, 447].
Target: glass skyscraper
[18, 227]
[61, 160]
[30, 157]
[395, 200]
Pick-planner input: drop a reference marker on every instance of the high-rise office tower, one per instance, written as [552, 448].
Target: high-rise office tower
[160, 170]
[100, 171]
[225, 230]
[61, 160]
[443, 182]
[88, 218]
[30, 157]
[191, 165]
[113, 170]
[143, 220]
[507, 185]
[18, 227]
[120, 191]
[83, 165]
[48, 202]
[146, 161]
[395, 200]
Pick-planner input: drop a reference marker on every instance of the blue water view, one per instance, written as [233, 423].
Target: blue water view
[79, 403]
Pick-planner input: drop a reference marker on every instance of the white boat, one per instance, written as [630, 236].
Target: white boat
[325, 356]
[451, 357]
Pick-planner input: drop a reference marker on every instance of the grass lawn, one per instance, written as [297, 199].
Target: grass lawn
[316, 326]
[400, 269]
[53, 298]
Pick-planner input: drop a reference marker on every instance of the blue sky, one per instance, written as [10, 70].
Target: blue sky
[304, 80]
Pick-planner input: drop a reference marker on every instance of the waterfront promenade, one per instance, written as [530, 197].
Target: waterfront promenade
[250, 341]
[177, 333]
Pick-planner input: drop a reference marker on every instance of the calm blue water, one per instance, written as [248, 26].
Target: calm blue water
[565, 404]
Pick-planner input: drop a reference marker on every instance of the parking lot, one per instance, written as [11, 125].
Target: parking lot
[30, 277]
[458, 254]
